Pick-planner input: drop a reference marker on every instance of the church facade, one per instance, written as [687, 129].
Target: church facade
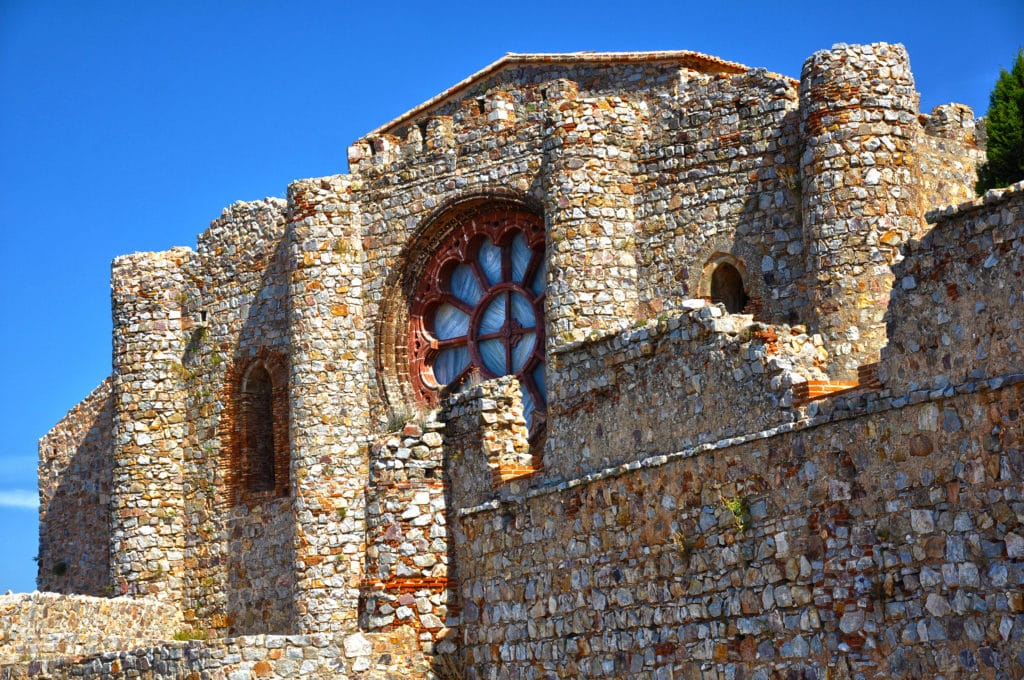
[640, 365]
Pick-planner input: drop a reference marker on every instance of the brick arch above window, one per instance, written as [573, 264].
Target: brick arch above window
[723, 280]
[257, 428]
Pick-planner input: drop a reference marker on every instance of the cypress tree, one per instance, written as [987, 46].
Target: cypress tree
[1005, 129]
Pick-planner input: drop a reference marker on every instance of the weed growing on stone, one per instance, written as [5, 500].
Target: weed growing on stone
[682, 542]
[739, 509]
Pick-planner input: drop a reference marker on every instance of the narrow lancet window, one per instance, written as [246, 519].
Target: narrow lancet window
[258, 430]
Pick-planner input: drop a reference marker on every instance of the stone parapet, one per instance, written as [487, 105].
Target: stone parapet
[35, 626]
[394, 654]
[688, 377]
[872, 539]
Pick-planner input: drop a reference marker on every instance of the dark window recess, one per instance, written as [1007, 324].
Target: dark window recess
[258, 431]
[727, 288]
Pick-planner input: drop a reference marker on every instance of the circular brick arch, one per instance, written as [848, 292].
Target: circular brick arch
[506, 310]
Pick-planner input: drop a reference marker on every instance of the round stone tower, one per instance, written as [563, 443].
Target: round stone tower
[860, 184]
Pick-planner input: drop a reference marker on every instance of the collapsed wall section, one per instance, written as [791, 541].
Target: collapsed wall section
[75, 476]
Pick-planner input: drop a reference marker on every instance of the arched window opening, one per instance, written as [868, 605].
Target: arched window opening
[478, 311]
[258, 430]
[727, 288]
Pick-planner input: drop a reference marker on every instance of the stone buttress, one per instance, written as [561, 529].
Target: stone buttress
[589, 211]
[860, 185]
[329, 408]
[150, 432]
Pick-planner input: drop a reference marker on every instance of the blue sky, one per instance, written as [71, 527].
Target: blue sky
[128, 126]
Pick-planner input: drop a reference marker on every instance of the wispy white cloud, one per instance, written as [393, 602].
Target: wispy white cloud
[19, 498]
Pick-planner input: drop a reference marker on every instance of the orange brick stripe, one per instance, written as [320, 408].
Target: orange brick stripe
[867, 379]
[507, 473]
[819, 389]
[413, 484]
[405, 585]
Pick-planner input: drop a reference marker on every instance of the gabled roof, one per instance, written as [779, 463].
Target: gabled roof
[692, 60]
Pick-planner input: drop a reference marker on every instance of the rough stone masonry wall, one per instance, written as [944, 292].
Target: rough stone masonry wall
[881, 533]
[239, 576]
[295, 657]
[684, 379]
[75, 470]
[949, 156]
[957, 315]
[889, 543]
[407, 568]
[486, 143]
[486, 148]
[719, 174]
[592, 276]
[329, 402]
[486, 441]
[37, 626]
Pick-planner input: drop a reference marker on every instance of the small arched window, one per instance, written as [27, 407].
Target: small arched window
[727, 288]
[258, 430]
[256, 467]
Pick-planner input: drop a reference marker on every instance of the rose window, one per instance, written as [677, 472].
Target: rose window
[479, 311]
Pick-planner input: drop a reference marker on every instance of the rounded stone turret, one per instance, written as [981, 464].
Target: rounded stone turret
[860, 191]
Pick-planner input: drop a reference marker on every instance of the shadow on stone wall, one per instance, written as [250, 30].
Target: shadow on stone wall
[74, 522]
[260, 534]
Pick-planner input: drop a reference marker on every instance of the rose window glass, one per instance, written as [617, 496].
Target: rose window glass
[479, 313]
